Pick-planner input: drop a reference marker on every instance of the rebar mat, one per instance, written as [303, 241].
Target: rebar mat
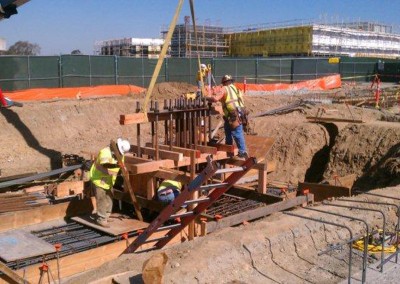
[228, 205]
[73, 238]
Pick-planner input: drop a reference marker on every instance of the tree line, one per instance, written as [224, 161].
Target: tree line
[27, 48]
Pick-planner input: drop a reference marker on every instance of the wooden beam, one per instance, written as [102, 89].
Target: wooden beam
[164, 153]
[206, 149]
[223, 147]
[134, 118]
[174, 175]
[153, 205]
[185, 151]
[12, 276]
[324, 191]
[257, 213]
[149, 167]
[68, 188]
[45, 213]
[127, 184]
[332, 119]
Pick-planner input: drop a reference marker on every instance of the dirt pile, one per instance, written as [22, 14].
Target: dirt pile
[36, 135]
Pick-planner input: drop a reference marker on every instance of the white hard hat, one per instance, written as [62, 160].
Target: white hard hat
[123, 145]
[203, 66]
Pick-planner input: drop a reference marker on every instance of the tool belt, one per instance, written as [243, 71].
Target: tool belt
[233, 119]
[243, 116]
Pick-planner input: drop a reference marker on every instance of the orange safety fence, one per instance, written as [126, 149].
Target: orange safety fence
[41, 94]
[324, 83]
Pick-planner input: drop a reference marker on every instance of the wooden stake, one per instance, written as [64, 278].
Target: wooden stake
[127, 184]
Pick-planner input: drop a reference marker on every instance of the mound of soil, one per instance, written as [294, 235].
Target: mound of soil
[36, 135]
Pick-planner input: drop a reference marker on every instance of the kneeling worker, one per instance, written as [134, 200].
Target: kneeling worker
[103, 175]
[168, 190]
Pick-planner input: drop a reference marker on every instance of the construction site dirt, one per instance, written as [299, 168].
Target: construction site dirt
[315, 142]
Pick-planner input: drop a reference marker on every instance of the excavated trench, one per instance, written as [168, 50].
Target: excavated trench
[320, 160]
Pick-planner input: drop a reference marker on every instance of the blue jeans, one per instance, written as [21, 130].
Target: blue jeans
[167, 198]
[238, 136]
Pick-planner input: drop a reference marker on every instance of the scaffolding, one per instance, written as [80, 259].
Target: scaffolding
[358, 40]
[211, 41]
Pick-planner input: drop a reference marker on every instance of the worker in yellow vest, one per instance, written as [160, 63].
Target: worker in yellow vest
[168, 190]
[103, 175]
[234, 112]
[202, 78]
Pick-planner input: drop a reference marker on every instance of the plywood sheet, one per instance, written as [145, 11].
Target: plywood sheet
[258, 146]
[19, 244]
[119, 224]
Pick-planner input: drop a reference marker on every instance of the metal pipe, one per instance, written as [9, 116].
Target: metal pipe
[184, 132]
[156, 110]
[138, 131]
[398, 217]
[365, 252]
[333, 224]
[366, 209]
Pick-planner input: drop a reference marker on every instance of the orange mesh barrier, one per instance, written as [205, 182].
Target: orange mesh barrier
[324, 83]
[73, 93]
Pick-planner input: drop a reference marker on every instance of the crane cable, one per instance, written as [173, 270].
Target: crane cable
[197, 45]
[162, 55]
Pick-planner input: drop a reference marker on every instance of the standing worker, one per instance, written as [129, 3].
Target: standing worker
[103, 175]
[202, 74]
[233, 107]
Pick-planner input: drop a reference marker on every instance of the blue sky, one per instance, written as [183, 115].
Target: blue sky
[60, 26]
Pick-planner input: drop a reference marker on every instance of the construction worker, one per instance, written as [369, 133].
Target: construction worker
[233, 107]
[168, 190]
[202, 74]
[103, 175]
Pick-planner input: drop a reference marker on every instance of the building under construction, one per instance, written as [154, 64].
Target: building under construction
[359, 39]
[132, 47]
[362, 39]
[211, 41]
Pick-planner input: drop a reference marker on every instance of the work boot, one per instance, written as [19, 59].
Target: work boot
[243, 155]
[102, 223]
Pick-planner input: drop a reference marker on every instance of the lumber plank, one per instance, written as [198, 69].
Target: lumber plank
[67, 188]
[127, 184]
[332, 119]
[174, 175]
[45, 213]
[164, 153]
[11, 276]
[134, 118]
[223, 147]
[324, 191]
[150, 166]
[185, 151]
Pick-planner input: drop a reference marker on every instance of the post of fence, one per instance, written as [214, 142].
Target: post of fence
[116, 69]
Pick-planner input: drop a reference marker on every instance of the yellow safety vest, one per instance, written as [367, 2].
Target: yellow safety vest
[201, 74]
[233, 100]
[99, 174]
[170, 183]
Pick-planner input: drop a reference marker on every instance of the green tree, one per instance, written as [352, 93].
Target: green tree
[24, 48]
[76, 52]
